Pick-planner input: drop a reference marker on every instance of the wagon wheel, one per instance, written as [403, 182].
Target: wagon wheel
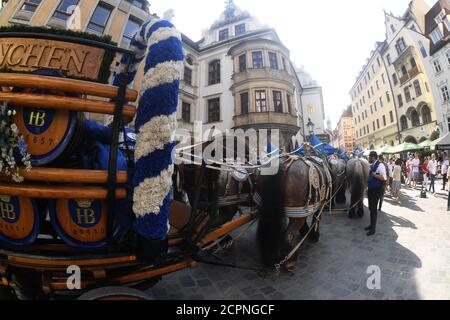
[115, 293]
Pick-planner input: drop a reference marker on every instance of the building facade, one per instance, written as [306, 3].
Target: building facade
[402, 105]
[373, 106]
[345, 132]
[437, 29]
[238, 76]
[313, 104]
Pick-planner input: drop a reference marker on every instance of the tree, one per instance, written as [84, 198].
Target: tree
[435, 135]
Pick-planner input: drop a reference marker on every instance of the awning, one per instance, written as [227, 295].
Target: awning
[441, 143]
[386, 150]
[425, 145]
[404, 147]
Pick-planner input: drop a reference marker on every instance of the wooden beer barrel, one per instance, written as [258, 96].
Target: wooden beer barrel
[51, 135]
[81, 223]
[19, 220]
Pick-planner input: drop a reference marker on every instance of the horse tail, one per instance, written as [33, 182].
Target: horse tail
[357, 181]
[271, 228]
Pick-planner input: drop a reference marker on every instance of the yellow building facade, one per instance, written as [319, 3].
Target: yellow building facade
[374, 113]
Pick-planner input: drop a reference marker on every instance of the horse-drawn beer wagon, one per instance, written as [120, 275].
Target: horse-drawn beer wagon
[88, 205]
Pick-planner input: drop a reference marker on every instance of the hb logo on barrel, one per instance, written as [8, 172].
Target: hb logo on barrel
[85, 213]
[8, 209]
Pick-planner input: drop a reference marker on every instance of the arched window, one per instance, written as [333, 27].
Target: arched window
[426, 114]
[403, 123]
[415, 118]
[214, 72]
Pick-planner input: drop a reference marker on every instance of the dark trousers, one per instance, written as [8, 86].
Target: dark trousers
[432, 177]
[444, 182]
[374, 195]
[383, 191]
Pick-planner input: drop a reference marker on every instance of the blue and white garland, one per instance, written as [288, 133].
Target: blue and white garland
[159, 43]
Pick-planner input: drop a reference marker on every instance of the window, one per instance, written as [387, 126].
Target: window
[131, 29]
[375, 106]
[440, 17]
[365, 113]
[239, 29]
[373, 69]
[257, 60]
[187, 76]
[100, 18]
[407, 94]
[378, 123]
[404, 71]
[368, 74]
[261, 101]
[283, 61]
[378, 85]
[393, 28]
[186, 112]
[289, 102]
[388, 96]
[214, 110]
[389, 59]
[273, 60]
[214, 72]
[381, 102]
[445, 93]
[138, 3]
[447, 22]
[360, 132]
[242, 63]
[423, 51]
[395, 79]
[426, 115]
[400, 100]
[223, 34]
[368, 93]
[417, 88]
[62, 11]
[437, 65]
[378, 61]
[448, 122]
[31, 5]
[415, 118]
[384, 121]
[371, 90]
[403, 123]
[400, 45]
[382, 77]
[436, 35]
[363, 116]
[277, 101]
[391, 116]
[447, 54]
[364, 130]
[413, 63]
[244, 103]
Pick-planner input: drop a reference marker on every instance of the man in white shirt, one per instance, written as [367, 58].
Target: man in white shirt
[377, 177]
[432, 168]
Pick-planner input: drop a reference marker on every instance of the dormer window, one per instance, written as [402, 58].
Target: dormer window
[393, 28]
[436, 35]
[440, 17]
[223, 35]
[239, 29]
[400, 45]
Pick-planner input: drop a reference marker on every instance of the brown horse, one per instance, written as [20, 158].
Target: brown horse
[357, 179]
[299, 190]
[338, 175]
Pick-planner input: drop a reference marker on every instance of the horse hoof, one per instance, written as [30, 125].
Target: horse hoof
[290, 265]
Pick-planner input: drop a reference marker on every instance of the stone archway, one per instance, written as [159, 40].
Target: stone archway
[423, 139]
[410, 139]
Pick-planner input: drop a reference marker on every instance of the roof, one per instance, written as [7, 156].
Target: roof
[430, 25]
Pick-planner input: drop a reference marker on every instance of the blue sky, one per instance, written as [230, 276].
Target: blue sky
[332, 39]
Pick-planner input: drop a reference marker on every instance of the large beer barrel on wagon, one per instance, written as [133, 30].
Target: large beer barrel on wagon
[81, 223]
[51, 135]
[19, 220]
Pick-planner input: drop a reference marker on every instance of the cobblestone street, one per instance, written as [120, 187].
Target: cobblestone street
[411, 247]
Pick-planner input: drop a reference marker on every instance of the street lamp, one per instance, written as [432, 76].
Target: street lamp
[310, 126]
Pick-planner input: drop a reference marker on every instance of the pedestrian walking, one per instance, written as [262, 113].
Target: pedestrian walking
[426, 173]
[444, 169]
[377, 176]
[383, 184]
[415, 164]
[397, 180]
[432, 168]
[409, 171]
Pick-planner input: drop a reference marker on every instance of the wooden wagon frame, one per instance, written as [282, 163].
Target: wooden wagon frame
[111, 266]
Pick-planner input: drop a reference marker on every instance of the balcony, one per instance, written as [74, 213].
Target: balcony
[414, 71]
[255, 118]
[262, 74]
[404, 79]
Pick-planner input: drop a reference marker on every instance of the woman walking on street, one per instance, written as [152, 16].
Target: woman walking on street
[444, 169]
[397, 180]
[426, 172]
[432, 168]
[415, 169]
